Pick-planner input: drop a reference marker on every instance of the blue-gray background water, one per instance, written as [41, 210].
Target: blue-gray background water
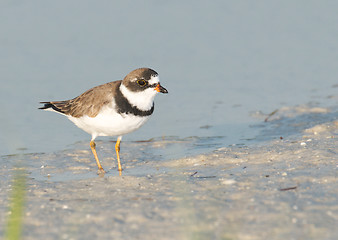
[220, 61]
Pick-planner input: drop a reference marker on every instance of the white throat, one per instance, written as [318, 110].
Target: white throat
[142, 100]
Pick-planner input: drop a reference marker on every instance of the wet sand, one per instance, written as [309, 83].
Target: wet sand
[283, 186]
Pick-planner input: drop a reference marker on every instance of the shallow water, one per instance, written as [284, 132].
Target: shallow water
[220, 61]
[149, 157]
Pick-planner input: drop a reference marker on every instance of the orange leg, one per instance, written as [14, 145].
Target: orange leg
[117, 149]
[92, 146]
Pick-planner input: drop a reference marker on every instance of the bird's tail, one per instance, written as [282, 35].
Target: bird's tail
[53, 106]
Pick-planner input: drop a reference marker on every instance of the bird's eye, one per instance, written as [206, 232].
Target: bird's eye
[141, 82]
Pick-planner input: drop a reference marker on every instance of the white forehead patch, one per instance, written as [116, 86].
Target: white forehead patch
[154, 80]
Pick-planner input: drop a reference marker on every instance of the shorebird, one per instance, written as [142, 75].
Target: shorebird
[112, 109]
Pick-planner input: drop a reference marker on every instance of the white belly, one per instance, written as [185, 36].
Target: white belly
[109, 123]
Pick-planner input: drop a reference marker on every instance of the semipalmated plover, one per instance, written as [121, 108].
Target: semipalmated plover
[112, 109]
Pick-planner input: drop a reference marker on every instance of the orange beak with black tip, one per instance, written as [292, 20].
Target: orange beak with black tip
[161, 89]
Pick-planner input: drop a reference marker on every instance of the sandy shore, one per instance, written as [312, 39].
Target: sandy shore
[284, 186]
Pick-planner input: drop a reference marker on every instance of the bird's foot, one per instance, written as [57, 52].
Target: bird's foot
[101, 172]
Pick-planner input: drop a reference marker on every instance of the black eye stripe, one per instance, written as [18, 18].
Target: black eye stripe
[144, 83]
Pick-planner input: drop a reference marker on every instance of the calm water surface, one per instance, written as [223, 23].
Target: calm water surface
[220, 61]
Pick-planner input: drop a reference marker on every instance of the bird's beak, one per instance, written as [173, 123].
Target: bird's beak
[161, 89]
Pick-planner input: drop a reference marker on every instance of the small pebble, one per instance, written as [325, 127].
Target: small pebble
[227, 181]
